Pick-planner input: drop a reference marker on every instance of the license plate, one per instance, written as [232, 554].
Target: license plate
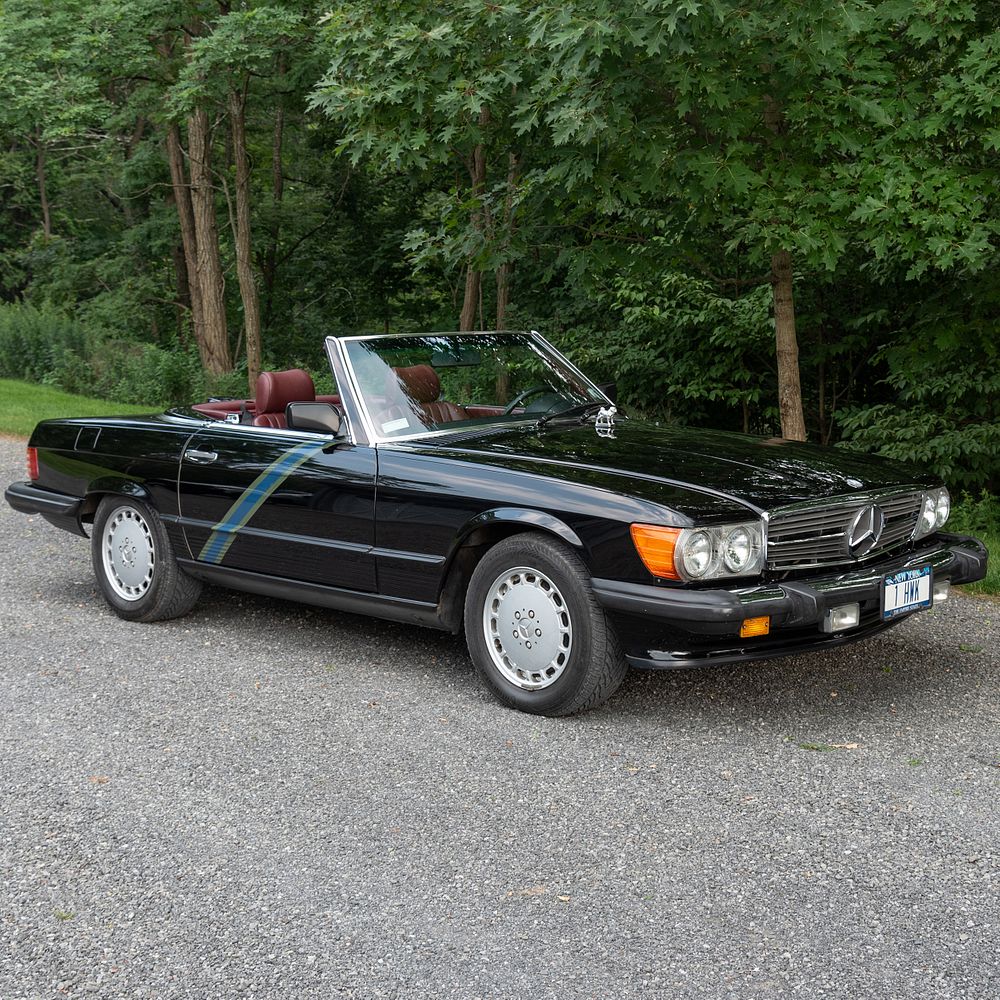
[906, 591]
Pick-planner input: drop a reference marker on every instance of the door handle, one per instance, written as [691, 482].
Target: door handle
[200, 457]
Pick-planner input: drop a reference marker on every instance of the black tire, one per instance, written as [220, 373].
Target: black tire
[163, 590]
[594, 665]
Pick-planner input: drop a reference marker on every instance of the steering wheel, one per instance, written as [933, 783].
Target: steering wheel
[532, 390]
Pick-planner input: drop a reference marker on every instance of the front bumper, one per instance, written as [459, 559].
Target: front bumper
[678, 627]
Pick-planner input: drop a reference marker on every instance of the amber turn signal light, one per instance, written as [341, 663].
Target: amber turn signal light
[755, 626]
[655, 545]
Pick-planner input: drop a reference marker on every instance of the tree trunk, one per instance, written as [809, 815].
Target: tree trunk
[43, 196]
[793, 425]
[183, 290]
[244, 245]
[216, 355]
[504, 272]
[277, 193]
[473, 278]
[506, 269]
[185, 214]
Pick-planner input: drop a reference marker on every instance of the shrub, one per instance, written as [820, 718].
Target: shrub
[34, 343]
[976, 514]
[128, 372]
[43, 345]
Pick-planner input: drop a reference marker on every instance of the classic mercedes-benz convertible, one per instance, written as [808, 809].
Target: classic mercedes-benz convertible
[481, 481]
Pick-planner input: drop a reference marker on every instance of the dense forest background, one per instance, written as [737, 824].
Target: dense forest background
[767, 216]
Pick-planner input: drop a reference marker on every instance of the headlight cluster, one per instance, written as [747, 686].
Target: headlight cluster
[934, 510]
[693, 554]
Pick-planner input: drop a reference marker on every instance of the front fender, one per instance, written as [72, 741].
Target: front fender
[530, 519]
[461, 560]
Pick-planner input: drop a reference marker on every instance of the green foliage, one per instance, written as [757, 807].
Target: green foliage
[943, 372]
[976, 514]
[979, 515]
[43, 345]
[676, 347]
[642, 158]
[34, 343]
[129, 372]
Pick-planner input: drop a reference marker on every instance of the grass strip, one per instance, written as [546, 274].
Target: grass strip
[23, 404]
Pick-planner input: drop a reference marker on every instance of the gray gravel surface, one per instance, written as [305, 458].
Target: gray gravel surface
[266, 800]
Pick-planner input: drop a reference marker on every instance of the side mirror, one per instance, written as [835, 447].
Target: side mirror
[324, 418]
[610, 389]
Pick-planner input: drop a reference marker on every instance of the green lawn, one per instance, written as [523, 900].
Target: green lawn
[23, 404]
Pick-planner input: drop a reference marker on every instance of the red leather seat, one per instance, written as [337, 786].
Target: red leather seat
[275, 390]
[424, 387]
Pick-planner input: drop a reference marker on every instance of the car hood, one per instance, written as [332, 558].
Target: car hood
[764, 473]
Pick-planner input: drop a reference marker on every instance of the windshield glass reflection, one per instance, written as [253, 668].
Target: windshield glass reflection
[456, 381]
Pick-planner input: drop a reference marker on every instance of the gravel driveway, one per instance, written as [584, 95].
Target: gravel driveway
[266, 800]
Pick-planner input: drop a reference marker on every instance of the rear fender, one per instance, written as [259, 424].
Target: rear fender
[112, 486]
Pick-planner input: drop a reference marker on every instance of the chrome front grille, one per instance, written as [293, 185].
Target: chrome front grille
[815, 534]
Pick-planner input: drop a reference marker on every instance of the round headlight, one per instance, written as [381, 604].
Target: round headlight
[943, 508]
[928, 516]
[698, 554]
[737, 550]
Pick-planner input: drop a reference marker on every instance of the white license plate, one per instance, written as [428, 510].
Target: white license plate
[906, 591]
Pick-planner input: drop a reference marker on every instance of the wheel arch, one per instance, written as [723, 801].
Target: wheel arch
[110, 486]
[479, 535]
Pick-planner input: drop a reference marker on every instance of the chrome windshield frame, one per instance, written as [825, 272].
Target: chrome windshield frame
[349, 386]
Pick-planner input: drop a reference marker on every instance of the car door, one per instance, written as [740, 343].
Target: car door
[284, 503]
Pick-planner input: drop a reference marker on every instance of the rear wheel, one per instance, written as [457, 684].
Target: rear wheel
[538, 637]
[135, 565]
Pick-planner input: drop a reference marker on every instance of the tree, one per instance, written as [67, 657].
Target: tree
[414, 87]
[239, 45]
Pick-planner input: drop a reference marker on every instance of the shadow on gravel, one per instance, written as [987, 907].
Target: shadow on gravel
[848, 684]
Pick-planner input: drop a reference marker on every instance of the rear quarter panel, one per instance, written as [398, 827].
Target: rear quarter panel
[132, 455]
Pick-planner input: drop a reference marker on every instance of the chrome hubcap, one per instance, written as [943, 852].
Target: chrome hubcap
[129, 557]
[527, 627]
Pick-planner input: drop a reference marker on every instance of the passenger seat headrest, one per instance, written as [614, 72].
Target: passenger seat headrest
[275, 390]
[422, 382]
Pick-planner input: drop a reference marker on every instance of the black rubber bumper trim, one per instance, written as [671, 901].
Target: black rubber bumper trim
[30, 499]
[959, 558]
[747, 654]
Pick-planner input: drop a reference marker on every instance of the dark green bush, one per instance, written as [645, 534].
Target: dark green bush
[976, 514]
[34, 343]
[42, 345]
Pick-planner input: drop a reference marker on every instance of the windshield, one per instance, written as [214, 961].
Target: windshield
[455, 381]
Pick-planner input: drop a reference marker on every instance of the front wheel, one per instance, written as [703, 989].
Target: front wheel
[538, 637]
[135, 565]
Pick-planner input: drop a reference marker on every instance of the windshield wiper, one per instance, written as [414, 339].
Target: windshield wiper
[580, 410]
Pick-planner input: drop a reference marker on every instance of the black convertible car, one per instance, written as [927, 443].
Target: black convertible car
[480, 481]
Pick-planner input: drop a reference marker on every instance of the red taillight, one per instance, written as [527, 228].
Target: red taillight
[32, 464]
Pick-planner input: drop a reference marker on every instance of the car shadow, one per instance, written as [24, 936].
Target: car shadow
[908, 666]
[904, 669]
[896, 668]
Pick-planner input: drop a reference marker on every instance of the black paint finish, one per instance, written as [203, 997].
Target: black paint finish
[316, 527]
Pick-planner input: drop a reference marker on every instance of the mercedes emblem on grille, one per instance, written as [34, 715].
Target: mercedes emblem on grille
[865, 531]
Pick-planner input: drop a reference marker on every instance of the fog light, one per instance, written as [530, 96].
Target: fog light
[841, 617]
[755, 626]
[941, 590]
